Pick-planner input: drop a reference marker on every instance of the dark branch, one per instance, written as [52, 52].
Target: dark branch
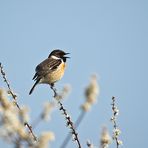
[67, 117]
[14, 96]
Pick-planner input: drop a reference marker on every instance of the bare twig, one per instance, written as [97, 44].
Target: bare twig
[14, 96]
[116, 130]
[91, 94]
[67, 117]
[77, 123]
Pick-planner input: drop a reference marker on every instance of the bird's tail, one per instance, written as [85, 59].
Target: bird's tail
[34, 86]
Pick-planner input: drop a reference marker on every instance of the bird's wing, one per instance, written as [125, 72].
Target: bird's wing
[46, 67]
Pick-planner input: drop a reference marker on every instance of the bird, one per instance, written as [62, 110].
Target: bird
[51, 69]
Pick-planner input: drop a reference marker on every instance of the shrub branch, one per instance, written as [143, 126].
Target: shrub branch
[14, 96]
[69, 122]
[116, 130]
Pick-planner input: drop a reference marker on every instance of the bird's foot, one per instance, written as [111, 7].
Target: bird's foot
[54, 90]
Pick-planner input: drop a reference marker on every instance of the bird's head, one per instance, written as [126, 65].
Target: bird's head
[58, 54]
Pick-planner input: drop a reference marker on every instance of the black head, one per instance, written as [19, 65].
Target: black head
[59, 54]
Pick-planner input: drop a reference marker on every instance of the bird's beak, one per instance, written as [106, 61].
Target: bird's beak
[66, 56]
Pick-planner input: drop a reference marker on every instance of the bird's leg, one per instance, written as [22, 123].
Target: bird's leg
[54, 89]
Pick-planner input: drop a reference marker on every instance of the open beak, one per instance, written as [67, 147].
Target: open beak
[66, 56]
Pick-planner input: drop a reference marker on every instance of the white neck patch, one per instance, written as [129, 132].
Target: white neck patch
[54, 57]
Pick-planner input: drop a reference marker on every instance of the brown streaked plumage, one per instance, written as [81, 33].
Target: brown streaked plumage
[51, 69]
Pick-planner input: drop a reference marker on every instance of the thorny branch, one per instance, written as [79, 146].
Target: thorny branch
[67, 117]
[14, 96]
[116, 130]
[77, 123]
[91, 94]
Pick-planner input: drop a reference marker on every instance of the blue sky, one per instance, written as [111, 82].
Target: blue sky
[105, 37]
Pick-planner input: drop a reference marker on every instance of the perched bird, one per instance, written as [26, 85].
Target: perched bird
[51, 69]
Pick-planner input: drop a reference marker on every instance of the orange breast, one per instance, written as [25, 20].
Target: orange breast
[55, 75]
